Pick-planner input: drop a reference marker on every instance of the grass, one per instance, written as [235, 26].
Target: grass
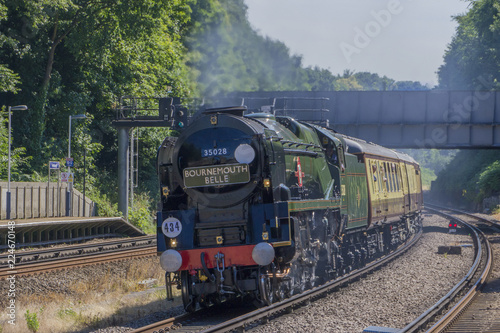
[101, 300]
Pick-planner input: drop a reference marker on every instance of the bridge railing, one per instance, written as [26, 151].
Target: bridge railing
[41, 200]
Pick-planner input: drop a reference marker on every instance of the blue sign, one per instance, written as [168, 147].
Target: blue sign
[69, 162]
[54, 165]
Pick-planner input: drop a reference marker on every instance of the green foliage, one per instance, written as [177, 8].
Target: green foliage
[428, 176]
[433, 159]
[489, 180]
[228, 55]
[140, 214]
[141, 218]
[104, 205]
[98, 52]
[69, 312]
[18, 158]
[472, 60]
[461, 179]
[9, 80]
[79, 318]
[32, 321]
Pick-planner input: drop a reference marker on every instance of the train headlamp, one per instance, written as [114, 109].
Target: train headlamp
[244, 153]
[263, 254]
[171, 260]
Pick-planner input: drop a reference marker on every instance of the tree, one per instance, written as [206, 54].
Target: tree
[18, 158]
[80, 55]
[472, 60]
[9, 80]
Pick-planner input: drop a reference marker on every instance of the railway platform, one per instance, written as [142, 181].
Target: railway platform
[57, 230]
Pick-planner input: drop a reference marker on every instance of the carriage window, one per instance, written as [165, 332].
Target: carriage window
[389, 174]
[386, 178]
[383, 178]
[396, 174]
[393, 177]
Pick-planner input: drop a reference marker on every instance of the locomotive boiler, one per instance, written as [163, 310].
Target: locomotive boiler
[260, 206]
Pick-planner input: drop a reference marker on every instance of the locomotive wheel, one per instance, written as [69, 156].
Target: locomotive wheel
[187, 298]
[266, 289]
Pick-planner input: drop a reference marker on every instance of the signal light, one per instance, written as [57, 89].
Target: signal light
[180, 117]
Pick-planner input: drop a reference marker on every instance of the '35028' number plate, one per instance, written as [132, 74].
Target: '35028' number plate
[213, 152]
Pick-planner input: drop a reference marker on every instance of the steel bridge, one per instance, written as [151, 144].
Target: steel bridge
[396, 119]
[408, 119]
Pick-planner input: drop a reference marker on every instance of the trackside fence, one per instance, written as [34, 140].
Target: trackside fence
[41, 200]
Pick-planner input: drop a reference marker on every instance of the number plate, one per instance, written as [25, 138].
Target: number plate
[171, 227]
[214, 152]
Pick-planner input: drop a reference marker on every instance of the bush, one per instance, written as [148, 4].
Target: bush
[140, 214]
[142, 219]
[489, 180]
[32, 321]
[104, 206]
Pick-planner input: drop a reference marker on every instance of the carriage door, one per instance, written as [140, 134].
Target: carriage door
[406, 187]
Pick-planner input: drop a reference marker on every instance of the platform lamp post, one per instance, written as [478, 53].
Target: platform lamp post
[11, 108]
[70, 187]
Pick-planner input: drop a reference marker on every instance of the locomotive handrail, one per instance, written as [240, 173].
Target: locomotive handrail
[200, 225]
[308, 110]
[275, 138]
[301, 144]
[300, 152]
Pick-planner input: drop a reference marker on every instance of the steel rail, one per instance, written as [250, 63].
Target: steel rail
[482, 218]
[77, 250]
[462, 305]
[164, 325]
[423, 320]
[288, 304]
[61, 264]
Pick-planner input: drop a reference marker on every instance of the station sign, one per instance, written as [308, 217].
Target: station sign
[67, 177]
[54, 165]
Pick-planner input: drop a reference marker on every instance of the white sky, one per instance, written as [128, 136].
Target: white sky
[402, 39]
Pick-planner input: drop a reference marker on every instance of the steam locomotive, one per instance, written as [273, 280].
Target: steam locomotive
[260, 206]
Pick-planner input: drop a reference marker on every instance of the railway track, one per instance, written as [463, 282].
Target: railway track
[44, 260]
[464, 305]
[202, 320]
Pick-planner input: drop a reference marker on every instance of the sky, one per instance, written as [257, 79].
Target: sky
[401, 39]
